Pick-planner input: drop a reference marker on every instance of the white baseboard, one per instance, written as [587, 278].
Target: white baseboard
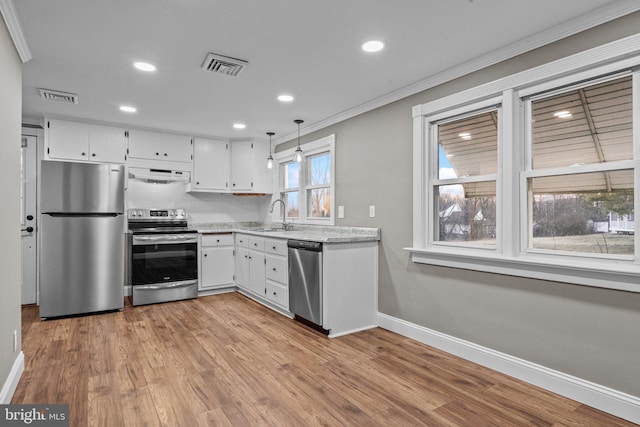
[11, 383]
[612, 401]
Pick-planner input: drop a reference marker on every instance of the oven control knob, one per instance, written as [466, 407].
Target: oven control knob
[172, 213]
[139, 213]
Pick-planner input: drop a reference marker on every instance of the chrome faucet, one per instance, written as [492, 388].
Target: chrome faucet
[284, 211]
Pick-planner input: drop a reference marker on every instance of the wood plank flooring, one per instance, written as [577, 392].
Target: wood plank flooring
[225, 360]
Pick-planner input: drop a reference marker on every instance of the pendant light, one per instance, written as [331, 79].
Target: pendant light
[298, 156]
[270, 158]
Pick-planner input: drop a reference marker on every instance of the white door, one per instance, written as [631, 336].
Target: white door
[108, 144]
[176, 148]
[242, 165]
[211, 164]
[67, 140]
[28, 226]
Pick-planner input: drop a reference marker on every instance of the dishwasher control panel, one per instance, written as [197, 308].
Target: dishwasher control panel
[305, 244]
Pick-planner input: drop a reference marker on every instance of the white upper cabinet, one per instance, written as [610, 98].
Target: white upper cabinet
[249, 171]
[176, 148]
[210, 165]
[107, 144]
[241, 166]
[262, 176]
[150, 145]
[67, 140]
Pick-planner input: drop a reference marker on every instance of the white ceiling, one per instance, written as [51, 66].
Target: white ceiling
[309, 49]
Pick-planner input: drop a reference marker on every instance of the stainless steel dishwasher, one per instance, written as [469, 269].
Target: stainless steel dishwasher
[305, 281]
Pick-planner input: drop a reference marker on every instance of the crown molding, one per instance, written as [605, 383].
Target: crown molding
[8, 11]
[581, 23]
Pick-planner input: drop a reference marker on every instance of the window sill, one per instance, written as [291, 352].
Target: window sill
[610, 274]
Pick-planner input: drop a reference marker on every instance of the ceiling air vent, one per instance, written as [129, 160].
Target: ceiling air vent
[223, 65]
[56, 95]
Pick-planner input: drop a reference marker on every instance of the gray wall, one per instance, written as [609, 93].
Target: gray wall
[591, 333]
[10, 119]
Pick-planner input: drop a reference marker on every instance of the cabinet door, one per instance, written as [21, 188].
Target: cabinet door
[241, 165]
[217, 267]
[176, 148]
[210, 164]
[107, 144]
[262, 176]
[257, 272]
[67, 140]
[242, 267]
[144, 144]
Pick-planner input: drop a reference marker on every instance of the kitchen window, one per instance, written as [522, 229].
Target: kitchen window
[307, 188]
[534, 176]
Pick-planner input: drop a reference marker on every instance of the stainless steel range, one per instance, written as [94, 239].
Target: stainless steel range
[162, 256]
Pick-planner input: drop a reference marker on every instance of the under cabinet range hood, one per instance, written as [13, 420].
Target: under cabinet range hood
[160, 176]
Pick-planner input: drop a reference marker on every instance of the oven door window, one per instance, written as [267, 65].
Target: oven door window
[160, 263]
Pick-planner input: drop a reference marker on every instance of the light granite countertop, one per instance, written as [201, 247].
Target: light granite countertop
[313, 233]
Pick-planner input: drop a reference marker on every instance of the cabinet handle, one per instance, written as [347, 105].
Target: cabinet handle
[165, 154]
[205, 255]
[275, 294]
[93, 155]
[274, 269]
[274, 248]
[234, 184]
[250, 258]
[83, 153]
[197, 182]
[218, 241]
[157, 154]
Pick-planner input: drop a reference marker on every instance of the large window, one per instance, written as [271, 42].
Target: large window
[578, 177]
[465, 187]
[533, 176]
[307, 187]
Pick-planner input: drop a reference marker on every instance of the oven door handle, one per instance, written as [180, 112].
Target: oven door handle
[178, 238]
[172, 285]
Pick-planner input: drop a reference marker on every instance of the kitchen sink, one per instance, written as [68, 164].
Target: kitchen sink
[268, 230]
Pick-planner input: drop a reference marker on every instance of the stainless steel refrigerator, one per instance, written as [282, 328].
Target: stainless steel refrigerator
[82, 238]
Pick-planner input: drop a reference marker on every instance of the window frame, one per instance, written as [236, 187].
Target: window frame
[432, 123]
[511, 256]
[310, 149]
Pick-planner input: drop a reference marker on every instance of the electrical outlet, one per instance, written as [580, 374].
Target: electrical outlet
[340, 211]
[372, 211]
[15, 341]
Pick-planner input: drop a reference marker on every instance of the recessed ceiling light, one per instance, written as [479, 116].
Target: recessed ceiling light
[128, 109]
[373, 46]
[285, 98]
[465, 135]
[563, 114]
[144, 66]
[239, 126]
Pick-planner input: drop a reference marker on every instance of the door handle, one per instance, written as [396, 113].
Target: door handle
[29, 217]
[28, 229]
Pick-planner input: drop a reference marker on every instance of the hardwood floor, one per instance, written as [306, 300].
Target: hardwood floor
[225, 360]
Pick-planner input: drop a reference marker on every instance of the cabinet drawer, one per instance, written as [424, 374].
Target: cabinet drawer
[256, 243]
[242, 240]
[278, 294]
[277, 269]
[225, 239]
[275, 246]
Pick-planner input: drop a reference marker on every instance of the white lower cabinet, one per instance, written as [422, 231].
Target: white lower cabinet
[216, 261]
[261, 268]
